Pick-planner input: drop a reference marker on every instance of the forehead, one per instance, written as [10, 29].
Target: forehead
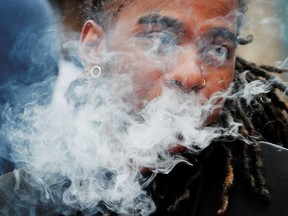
[215, 7]
[194, 13]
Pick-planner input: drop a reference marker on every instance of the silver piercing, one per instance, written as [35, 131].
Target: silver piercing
[243, 40]
[95, 71]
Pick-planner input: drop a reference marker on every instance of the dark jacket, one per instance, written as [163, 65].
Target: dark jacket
[205, 190]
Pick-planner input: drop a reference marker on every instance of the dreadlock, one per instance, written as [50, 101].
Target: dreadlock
[264, 119]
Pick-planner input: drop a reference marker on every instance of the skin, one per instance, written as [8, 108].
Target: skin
[169, 44]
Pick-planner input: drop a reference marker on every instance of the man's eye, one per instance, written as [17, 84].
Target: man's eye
[218, 51]
[215, 55]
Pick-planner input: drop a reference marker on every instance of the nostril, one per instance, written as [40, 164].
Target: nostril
[173, 83]
[196, 86]
[178, 84]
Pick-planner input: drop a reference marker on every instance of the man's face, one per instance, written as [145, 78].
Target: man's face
[184, 45]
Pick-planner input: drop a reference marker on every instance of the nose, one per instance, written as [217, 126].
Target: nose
[186, 75]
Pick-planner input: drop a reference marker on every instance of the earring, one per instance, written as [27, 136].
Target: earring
[94, 71]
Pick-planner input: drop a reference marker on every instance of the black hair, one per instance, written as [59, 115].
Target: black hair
[263, 120]
[104, 12]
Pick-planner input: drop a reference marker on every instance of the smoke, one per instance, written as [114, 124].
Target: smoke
[251, 89]
[91, 137]
[94, 142]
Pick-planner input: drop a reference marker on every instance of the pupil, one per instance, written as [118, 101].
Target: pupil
[221, 51]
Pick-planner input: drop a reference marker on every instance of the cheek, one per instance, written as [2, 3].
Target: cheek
[147, 76]
[218, 80]
[147, 85]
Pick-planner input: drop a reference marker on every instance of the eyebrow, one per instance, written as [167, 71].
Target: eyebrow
[164, 22]
[223, 33]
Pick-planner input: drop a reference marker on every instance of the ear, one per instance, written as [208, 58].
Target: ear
[91, 40]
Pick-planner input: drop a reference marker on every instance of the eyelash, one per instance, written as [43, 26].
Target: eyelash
[215, 54]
